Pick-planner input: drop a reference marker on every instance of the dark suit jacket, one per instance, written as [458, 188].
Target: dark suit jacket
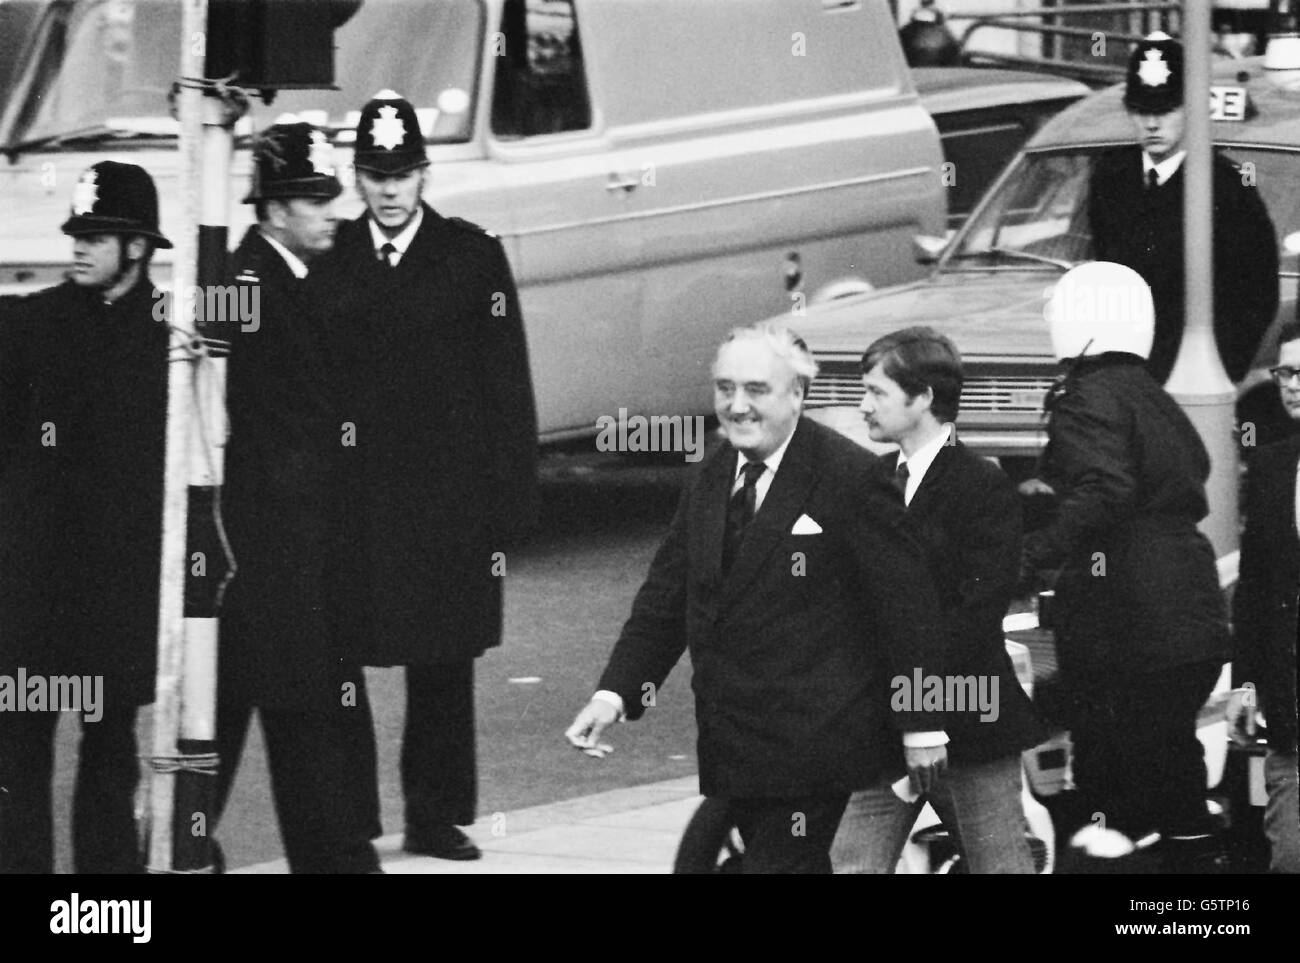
[793, 651]
[1264, 607]
[432, 373]
[1143, 230]
[968, 516]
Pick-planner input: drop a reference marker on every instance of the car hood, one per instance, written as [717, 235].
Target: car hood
[986, 313]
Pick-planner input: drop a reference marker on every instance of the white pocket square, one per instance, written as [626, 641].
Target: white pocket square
[805, 526]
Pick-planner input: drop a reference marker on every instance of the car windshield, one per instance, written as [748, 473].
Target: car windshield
[105, 69]
[1037, 219]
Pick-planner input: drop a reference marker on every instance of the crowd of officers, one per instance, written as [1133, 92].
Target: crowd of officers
[381, 459]
[382, 454]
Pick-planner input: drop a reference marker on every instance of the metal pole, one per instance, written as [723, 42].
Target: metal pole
[166, 757]
[1198, 381]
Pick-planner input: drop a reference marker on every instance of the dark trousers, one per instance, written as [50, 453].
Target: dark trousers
[104, 836]
[788, 835]
[439, 774]
[1137, 760]
[324, 775]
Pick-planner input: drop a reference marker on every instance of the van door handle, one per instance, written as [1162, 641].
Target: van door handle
[621, 183]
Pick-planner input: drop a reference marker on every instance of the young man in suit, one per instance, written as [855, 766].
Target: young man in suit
[277, 653]
[791, 574]
[1135, 208]
[1264, 615]
[968, 516]
[438, 457]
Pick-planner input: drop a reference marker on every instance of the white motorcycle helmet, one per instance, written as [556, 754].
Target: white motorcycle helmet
[1099, 307]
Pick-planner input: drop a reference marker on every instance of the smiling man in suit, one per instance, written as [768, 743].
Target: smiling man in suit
[791, 575]
[969, 520]
[1264, 614]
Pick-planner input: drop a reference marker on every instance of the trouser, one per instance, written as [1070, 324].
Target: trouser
[1137, 760]
[1282, 812]
[979, 804]
[788, 835]
[324, 775]
[104, 838]
[439, 774]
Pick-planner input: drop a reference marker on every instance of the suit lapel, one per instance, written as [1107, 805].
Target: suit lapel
[776, 516]
[936, 476]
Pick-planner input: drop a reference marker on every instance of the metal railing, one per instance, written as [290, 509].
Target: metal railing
[1058, 56]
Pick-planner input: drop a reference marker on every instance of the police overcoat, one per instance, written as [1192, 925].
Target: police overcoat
[438, 434]
[83, 392]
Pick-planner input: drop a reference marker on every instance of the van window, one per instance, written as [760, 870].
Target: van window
[541, 85]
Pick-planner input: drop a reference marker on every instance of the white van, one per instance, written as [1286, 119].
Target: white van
[659, 170]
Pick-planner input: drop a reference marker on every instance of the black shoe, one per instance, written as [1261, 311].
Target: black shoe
[444, 842]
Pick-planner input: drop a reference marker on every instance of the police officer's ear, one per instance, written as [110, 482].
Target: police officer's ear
[136, 248]
[277, 212]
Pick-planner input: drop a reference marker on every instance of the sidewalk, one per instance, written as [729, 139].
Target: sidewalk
[634, 830]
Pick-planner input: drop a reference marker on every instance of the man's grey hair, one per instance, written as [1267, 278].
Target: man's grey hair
[783, 342]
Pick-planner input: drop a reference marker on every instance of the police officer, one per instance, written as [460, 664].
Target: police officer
[276, 650]
[1136, 211]
[1141, 632]
[439, 451]
[83, 400]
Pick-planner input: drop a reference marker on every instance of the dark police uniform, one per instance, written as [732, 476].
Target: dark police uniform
[1141, 625]
[277, 652]
[1141, 226]
[432, 372]
[83, 402]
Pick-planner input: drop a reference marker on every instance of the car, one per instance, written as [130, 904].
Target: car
[988, 288]
[984, 117]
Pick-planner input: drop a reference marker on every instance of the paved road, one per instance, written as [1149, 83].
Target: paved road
[566, 598]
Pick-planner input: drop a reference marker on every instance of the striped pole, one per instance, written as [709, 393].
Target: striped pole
[184, 758]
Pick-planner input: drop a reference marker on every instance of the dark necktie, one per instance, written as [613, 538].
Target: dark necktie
[386, 254]
[901, 474]
[740, 511]
[1153, 179]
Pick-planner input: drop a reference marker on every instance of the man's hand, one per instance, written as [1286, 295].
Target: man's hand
[589, 724]
[1240, 715]
[1035, 486]
[926, 766]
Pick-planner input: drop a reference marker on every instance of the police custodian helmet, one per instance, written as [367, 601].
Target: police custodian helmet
[115, 198]
[1155, 76]
[389, 140]
[291, 158]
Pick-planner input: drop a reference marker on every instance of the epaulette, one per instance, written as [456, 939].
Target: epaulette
[470, 226]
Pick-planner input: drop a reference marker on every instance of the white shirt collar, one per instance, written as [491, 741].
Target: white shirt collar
[1166, 169]
[295, 263]
[922, 459]
[772, 461]
[402, 241]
